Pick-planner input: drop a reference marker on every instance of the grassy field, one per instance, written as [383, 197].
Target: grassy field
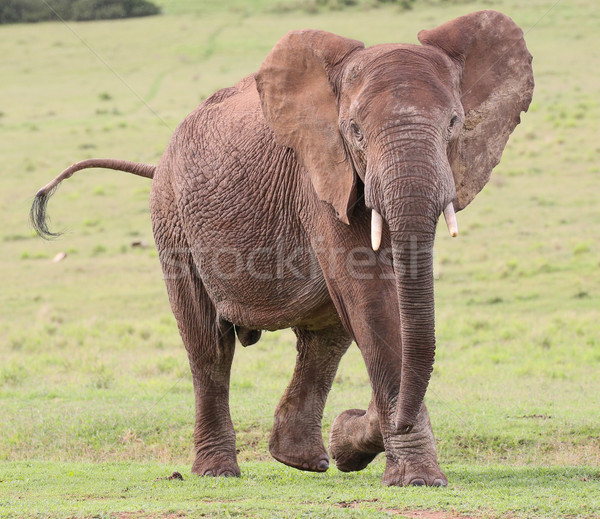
[95, 396]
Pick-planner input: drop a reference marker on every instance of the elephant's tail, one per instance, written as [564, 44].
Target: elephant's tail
[37, 214]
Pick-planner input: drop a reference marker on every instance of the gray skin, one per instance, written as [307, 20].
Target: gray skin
[261, 208]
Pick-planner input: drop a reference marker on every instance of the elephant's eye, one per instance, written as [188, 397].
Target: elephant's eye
[356, 131]
[452, 124]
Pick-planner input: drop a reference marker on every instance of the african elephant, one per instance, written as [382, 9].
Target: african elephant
[268, 196]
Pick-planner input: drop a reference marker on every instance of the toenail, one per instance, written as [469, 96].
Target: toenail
[323, 465]
[439, 483]
[418, 482]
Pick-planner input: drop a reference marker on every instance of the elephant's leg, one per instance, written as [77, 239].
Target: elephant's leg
[210, 345]
[363, 289]
[209, 342]
[214, 437]
[357, 436]
[356, 439]
[411, 459]
[296, 438]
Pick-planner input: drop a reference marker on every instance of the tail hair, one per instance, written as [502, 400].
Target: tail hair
[38, 216]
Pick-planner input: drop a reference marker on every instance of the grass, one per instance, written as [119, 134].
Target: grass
[143, 490]
[95, 393]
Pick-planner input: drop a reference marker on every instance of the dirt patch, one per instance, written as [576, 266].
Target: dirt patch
[409, 514]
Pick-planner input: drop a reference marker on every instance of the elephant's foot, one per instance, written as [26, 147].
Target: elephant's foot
[216, 466]
[355, 439]
[411, 458]
[298, 447]
[415, 471]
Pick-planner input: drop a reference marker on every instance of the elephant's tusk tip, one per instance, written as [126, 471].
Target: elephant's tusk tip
[376, 229]
[451, 222]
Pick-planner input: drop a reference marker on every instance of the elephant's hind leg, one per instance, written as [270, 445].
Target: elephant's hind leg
[214, 436]
[296, 438]
[210, 344]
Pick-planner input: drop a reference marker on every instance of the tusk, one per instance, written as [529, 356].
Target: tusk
[451, 222]
[376, 229]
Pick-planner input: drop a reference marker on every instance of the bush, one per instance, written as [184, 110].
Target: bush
[314, 6]
[29, 11]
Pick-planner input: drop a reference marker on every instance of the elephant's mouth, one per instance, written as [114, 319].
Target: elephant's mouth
[377, 225]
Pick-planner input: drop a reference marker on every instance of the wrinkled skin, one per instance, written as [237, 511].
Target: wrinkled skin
[261, 209]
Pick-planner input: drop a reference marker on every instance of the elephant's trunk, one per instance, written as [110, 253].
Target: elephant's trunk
[413, 194]
[412, 235]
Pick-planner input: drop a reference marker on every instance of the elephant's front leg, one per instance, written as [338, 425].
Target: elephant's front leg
[412, 458]
[357, 436]
[364, 292]
[296, 438]
[356, 439]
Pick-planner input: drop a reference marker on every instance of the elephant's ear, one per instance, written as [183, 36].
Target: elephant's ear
[496, 86]
[296, 88]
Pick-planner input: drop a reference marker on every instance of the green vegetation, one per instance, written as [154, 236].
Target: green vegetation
[273, 490]
[28, 11]
[314, 6]
[95, 395]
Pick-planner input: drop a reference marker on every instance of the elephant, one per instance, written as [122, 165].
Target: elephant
[307, 196]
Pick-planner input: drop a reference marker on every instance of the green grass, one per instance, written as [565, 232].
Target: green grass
[267, 489]
[95, 394]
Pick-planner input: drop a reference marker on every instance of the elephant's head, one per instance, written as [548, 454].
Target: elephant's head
[421, 126]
